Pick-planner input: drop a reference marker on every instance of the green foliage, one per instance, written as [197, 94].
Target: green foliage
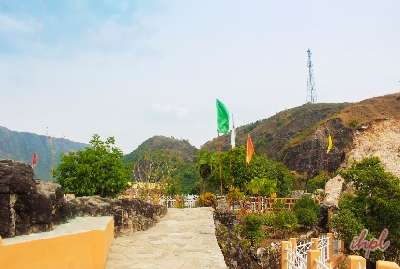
[285, 220]
[261, 186]
[317, 182]
[207, 199]
[234, 195]
[374, 205]
[96, 170]
[229, 168]
[307, 211]
[252, 227]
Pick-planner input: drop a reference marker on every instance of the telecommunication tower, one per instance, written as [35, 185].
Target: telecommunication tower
[311, 90]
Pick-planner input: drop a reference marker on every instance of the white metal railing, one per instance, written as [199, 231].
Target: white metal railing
[297, 257]
[321, 265]
[295, 260]
[323, 245]
[189, 201]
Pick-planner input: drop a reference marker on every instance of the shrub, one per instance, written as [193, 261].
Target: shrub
[207, 199]
[234, 195]
[307, 211]
[268, 219]
[306, 217]
[317, 182]
[285, 220]
[95, 170]
[252, 227]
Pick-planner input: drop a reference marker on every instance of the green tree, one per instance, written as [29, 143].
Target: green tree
[95, 170]
[374, 205]
[230, 168]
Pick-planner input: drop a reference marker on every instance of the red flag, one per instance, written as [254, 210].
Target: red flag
[250, 149]
[35, 159]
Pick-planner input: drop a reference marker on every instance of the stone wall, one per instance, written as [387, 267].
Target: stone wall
[130, 215]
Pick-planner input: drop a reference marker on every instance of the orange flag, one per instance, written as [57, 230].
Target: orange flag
[250, 149]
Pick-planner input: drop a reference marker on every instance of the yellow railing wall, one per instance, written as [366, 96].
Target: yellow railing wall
[84, 250]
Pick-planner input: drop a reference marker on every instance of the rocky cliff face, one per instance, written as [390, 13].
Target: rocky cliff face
[381, 139]
[27, 206]
[311, 155]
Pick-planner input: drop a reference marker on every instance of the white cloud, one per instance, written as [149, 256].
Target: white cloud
[10, 24]
[177, 111]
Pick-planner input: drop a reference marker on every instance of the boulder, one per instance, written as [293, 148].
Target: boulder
[333, 190]
[27, 205]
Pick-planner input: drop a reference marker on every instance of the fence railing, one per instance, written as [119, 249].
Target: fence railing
[299, 254]
[188, 201]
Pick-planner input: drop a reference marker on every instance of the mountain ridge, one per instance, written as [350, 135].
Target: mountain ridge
[20, 146]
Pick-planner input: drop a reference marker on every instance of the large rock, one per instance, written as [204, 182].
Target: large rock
[333, 190]
[26, 205]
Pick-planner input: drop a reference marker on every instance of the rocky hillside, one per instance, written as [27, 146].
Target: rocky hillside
[298, 136]
[20, 146]
[167, 145]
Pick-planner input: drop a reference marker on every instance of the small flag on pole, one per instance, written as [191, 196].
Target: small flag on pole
[222, 118]
[330, 143]
[249, 149]
[35, 160]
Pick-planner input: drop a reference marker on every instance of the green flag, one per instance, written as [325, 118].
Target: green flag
[222, 118]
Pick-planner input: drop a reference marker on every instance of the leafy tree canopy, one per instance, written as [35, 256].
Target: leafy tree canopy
[374, 205]
[95, 170]
[230, 168]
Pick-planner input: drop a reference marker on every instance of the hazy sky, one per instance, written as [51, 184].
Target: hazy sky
[133, 69]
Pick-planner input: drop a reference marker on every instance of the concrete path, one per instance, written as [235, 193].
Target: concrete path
[183, 239]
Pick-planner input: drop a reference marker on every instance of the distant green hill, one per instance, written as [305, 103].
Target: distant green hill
[181, 149]
[20, 146]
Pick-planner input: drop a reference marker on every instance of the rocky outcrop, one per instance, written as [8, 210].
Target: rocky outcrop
[333, 190]
[310, 155]
[130, 215]
[26, 205]
[381, 139]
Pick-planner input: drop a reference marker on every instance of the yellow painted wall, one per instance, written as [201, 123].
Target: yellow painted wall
[86, 250]
[386, 265]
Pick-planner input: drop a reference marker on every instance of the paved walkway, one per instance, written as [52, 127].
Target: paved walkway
[183, 239]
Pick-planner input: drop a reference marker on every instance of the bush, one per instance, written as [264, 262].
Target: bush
[317, 182]
[285, 220]
[234, 195]
[95, 170]
[307, 211]
[252, 227]
[207, 199]
[306, 217]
